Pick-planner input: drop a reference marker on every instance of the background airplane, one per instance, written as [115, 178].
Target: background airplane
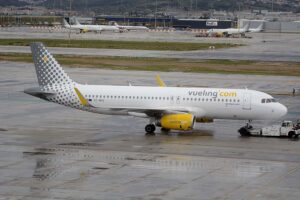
[229, 31]
[256, 30]
[172, 108]
[128, 28]
[89, 28]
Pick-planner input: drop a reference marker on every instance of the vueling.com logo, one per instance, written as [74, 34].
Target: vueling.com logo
[213, 94]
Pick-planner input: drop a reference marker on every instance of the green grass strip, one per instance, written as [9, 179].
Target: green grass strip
[107, 44]
[170, 64]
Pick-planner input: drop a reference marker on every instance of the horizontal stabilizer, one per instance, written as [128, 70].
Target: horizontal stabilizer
[38, 92]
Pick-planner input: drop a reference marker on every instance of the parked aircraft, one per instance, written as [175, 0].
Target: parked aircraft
[89, 28]
[172, 108]
[256, 30]
[229, 31]
[128, 28]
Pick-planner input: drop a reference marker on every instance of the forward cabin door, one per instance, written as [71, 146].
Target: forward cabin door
[172, 99]
[178, 100]
[247, 101]
[175, 100]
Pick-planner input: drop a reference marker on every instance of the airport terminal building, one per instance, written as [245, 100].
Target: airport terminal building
[168, 22]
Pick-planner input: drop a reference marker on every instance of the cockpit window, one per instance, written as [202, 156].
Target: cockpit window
[268, 101]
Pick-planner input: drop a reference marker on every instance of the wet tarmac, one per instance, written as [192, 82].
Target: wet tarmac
[51, 152]
[262, 46]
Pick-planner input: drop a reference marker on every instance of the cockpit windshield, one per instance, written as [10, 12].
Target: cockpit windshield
[271, 100]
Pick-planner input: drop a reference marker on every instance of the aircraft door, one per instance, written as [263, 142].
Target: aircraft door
[247, 101]
[178, 99]
[172, 99]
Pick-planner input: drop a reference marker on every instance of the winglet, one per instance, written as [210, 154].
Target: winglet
[83, 101]
[160, 82]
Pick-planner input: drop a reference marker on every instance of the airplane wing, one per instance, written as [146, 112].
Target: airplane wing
[160, 82]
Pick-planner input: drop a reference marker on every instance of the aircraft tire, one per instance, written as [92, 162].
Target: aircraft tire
[150, 128]
[291, 134]
[244, 132]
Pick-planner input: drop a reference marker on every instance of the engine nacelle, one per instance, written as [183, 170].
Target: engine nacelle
[183, 122]
[205, 120]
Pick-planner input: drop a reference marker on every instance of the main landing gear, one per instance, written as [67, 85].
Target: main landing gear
[150, 128]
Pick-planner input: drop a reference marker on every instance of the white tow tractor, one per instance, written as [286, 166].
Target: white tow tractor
[286, 129]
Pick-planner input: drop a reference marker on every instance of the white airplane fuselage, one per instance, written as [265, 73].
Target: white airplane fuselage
[132, 28]
[86, 28]
[215, 103]
[229, 31]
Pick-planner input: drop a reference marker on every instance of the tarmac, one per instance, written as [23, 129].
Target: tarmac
[262, 46]
[48, 151]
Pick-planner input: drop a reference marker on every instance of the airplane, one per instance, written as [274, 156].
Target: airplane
[229, 31]
[128, 28]
[257, 29]
[88, 28]
[171, 108]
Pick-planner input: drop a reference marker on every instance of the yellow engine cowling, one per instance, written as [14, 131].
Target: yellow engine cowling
[183, 122]
[85, 30]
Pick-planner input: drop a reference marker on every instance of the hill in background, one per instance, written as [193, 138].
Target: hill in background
[146, 6]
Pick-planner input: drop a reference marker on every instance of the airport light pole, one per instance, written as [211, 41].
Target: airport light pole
[70, 9]
[155, 14]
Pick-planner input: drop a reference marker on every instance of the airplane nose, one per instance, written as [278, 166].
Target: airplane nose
[283, 110]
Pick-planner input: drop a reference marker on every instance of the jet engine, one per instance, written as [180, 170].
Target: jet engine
[183, 122]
